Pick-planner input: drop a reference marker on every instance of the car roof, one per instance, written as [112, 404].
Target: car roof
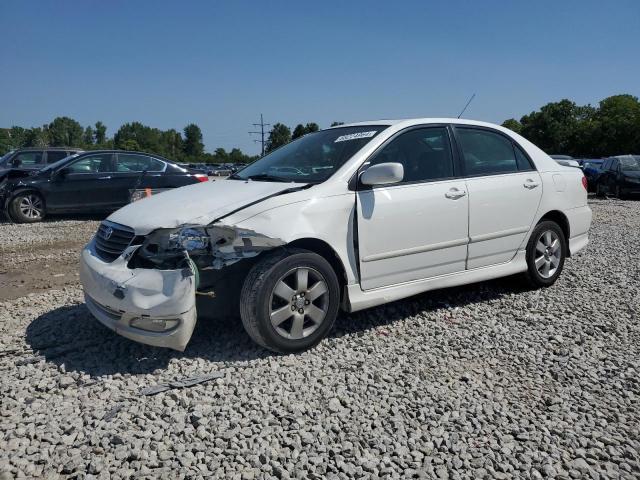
[418, 121]
[64, 149]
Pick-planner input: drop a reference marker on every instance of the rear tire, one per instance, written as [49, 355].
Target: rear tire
[290, 300]
[27, 207]
[546, 252]
[599, 192]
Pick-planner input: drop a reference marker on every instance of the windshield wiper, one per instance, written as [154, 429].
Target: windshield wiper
[267, 177]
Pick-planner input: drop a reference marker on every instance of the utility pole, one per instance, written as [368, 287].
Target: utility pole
[261, 133]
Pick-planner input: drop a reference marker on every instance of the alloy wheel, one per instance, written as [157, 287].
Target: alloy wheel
[31, 206]
[299, 303]
[548, 253]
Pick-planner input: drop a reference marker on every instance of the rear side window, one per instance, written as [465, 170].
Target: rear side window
[91, 164]
[138, 163]
[425, 154]
[55, 156]
[485, 152]
[27, 159]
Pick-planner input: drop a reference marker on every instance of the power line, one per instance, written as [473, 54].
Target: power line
[261, 132]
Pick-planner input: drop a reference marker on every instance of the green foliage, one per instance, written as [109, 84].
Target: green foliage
[193, 145]
[513, 124]
[584, 131]
[63, 132]
[280, 135]
[87, 136]
[335, 124]
[101, 133]
[298, 132]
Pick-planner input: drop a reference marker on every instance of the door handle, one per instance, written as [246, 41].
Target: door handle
[530, 184]
[454, 194]
[104, 178]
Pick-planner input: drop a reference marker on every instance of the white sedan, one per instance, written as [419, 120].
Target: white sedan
[344, 218]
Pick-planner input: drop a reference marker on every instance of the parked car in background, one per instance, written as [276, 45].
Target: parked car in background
[620, 177]
[384, 210]
[567, 162]
[561, 157]
[35, 158]
[221, 171]
[591, 167]
[90, 182]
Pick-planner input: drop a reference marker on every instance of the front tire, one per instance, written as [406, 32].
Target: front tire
[546, 252]
[27, 207]
[289, 300]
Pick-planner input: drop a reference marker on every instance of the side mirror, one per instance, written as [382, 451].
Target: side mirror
[16, 162]
[383, 174]
[61, 173]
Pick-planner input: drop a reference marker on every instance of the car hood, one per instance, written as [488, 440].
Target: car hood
[198, 204]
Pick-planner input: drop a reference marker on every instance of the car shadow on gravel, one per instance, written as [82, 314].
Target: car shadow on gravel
[69, 335]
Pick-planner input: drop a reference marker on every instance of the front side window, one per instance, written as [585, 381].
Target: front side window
[614, 164]
[312, 158]
[98, 163]
[27, 159]
[131, 162]
[486, 153]
[425, 154]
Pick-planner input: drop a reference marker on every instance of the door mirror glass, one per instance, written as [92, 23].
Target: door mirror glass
[383, 174]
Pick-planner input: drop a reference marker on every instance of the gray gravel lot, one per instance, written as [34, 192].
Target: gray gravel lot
[484, 381]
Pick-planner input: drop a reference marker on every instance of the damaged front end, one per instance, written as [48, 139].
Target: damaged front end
[148, 293]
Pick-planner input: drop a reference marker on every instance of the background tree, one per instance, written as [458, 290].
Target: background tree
[171, 142]
[65, 132]
[36, 137]
[512, 124]
[192, 145]
[335, 124]
[87, 136]
[311, 127]
[221, 155]
[101, 133]
[616, 126]
[298, 132]
[279, 135]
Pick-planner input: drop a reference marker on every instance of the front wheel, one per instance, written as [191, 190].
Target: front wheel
[546, 252]
[290, 300]
[27, 207]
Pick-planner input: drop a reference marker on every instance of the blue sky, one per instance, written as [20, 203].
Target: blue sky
[221, 63]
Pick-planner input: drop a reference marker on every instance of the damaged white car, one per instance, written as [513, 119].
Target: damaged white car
[345, 218]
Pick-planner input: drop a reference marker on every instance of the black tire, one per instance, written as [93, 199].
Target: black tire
[258, 300]
[619, 194]
[534, 276]
[599, 192]
[27, 207]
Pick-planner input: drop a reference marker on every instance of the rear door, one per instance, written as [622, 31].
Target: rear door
[83, 185]
[135, 171]
[417, 228]
[504, 194]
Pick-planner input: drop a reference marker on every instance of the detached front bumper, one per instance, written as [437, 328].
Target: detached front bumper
[154, 307]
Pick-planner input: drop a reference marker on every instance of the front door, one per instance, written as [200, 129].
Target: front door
[135, 171]
[83, 185]
[417, 228]
[504, 194]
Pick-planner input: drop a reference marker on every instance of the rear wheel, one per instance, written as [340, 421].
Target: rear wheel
[619, 193]
[599, 190]
[546, 252]
[27, 207]
[290, 300]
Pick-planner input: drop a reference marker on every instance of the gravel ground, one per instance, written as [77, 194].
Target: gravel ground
[485, 381]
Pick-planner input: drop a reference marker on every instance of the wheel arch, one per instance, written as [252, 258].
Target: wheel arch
[325, 250]
[562, 221]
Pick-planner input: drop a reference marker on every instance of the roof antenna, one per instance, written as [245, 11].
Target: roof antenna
[465, 107]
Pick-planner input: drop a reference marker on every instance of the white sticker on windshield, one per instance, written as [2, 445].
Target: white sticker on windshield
[355, 136]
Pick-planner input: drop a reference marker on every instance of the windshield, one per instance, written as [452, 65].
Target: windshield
[54, 165]
[312, 158]
[630, 164]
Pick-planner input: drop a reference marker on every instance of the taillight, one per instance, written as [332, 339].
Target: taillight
[585, 184]
[201, 177]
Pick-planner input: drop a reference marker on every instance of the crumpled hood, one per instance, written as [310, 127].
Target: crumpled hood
[197, 204]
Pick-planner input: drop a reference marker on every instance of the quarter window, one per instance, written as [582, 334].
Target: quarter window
[138, 163]
[425, 154]
[91, 164]
[55, 156]
[487, 153]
